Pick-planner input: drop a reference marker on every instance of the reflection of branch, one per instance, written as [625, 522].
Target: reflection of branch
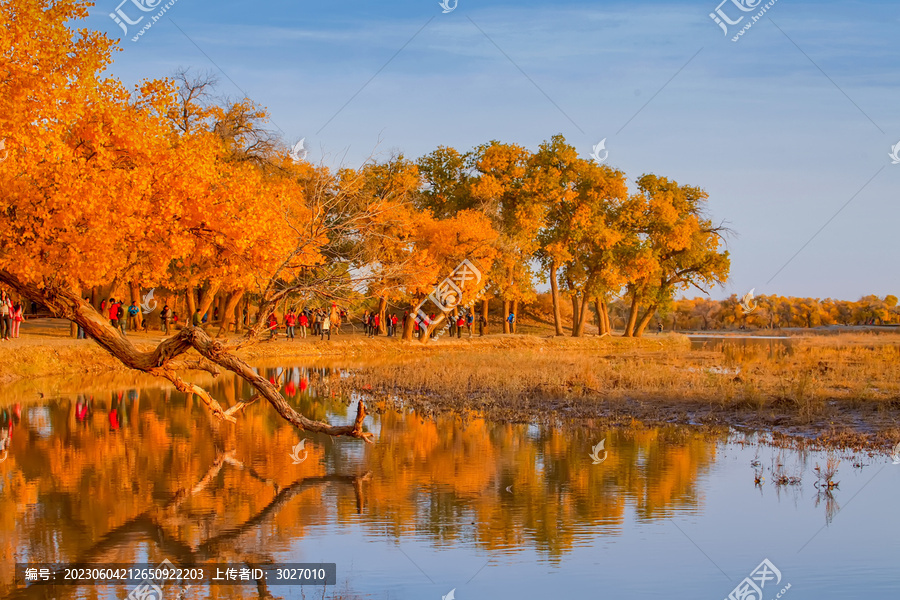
[209, 547]
[182, 494]
[239, 407]
[250, 470]
[150, 522]
[357, 487]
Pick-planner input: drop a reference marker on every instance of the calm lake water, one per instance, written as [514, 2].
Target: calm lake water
[122, 469]
[772, 343]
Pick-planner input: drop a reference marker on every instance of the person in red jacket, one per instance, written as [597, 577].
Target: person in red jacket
[290, 321]
[304, 323]
[273, 326]
[113, 308]
[376, 323]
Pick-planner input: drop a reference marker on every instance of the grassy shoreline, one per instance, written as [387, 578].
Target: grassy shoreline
[842, 391]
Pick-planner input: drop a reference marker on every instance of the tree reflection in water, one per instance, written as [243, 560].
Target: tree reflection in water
[172, 482]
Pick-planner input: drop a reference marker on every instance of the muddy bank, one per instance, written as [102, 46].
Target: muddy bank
[841, 428]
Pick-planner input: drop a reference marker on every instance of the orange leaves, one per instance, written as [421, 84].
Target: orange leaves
[113, 188]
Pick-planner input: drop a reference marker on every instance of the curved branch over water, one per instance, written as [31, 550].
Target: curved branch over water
[162, 360]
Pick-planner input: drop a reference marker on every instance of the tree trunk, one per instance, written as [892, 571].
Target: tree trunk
[222, 305]
[515, 311]
[409, 327]
[554, 294]
[582, 317]
[602, 325]
[576, 314]
[207, 295]
[632, 316]
[382, 309]
[505, 315]
[435, 325]
[642, 325]
[228, 314]
[606, 324]
[191, 297]
[284, 309]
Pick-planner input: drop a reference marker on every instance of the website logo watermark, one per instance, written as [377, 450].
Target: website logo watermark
[747, 303]
[148, 589]
[595, 453]
[751, 588]
[295, 454]
[445, 4]
[895, 154]
[723, 19]
[146, 306]
[447, 295]
[597, 148]
[299, 152]
[123, 19]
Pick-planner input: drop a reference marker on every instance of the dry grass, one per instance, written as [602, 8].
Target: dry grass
[804, 378]
[848, 393]
[46, 349]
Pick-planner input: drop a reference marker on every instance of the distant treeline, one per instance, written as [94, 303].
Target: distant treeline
[765, 312]
[770, 312]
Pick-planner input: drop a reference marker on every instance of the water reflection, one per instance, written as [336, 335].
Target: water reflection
[141, 472]
[772, 345]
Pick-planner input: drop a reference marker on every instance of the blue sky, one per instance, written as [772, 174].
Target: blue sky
[782, 128]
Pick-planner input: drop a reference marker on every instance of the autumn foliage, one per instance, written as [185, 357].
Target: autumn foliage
[108, 190]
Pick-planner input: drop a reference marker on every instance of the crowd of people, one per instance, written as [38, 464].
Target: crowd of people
[321, 322]
[313, 322]
[318, 322]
